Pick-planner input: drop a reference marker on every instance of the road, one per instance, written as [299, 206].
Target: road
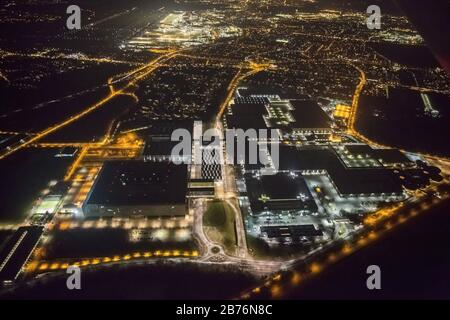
[139, 74]
[306, 268]
[242, 260]
[230, 197]
[228, 178]
[379, 223]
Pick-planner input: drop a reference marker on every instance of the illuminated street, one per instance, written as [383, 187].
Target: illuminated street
[328, 136]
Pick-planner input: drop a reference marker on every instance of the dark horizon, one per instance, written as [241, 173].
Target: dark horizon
[208, 149]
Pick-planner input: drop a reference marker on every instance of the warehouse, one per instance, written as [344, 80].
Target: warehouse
[137, 188]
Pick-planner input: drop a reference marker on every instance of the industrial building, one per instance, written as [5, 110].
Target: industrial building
[362, 155]
[160, 149]
[159, 144]
[295, 120]
[296, 116]
[297, 232]
[349, 181]
[282, 192]
[137, 188]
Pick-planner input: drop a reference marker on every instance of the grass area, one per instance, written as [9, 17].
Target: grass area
[219, 225]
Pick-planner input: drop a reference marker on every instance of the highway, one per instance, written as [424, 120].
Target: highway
[228, 178]
[141, 73]
[355, 101]
[229, 196]
[240, 76]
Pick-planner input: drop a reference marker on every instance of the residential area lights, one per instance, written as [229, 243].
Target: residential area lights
[305, 75]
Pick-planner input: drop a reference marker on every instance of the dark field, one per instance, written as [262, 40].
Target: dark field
[400, 121]
[24, 176]
[414, 261]
[159, 281]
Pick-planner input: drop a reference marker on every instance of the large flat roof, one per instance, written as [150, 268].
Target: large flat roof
[269, 91]
[259, 100]
[347, 180]
[246, 122]
[391, 156]
[248, 109]
[365, 181]
[287, 114]
[131, 183]
[279, 192]
[159, 147]
[299, 159]
[308, 114]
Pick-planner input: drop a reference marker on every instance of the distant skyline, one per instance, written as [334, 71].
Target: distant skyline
[329, 137]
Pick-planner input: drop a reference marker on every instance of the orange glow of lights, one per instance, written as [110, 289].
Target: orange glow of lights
[275, 291]
[256, 290]
[342, 111]
[362, 241]
[295, 278]
[315, 268]
[372, 235]
[43, 266]
[64, 225]
[276, 277]
[347, 249]
[32, 266]
[54, 266]
[332, 257]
